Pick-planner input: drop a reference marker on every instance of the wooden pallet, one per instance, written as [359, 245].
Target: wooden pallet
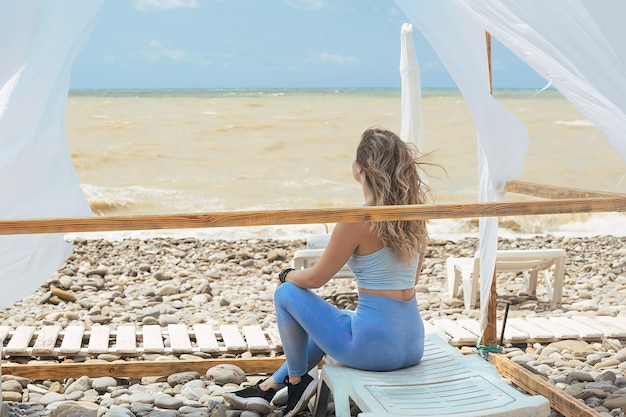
[536, 329]
[131, 340]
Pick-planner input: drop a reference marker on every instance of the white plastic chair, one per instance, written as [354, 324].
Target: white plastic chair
[306, 258]
[466, 272]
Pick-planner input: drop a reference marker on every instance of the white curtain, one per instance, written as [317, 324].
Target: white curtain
[503, 141]
[38, 43]
[412, 123]
[577, 45]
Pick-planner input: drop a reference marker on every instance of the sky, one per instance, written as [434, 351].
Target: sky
[139, 44]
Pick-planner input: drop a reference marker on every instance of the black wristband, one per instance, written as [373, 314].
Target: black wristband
[282, 275]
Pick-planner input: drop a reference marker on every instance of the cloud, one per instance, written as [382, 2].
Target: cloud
[306, 4]
[158, 5]
[158, 52]
[325, 57]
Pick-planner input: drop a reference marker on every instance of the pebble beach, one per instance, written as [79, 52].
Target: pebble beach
[190, 280]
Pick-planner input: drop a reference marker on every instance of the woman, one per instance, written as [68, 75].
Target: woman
[386, 331]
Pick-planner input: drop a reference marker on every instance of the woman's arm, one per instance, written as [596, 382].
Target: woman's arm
[344, 240]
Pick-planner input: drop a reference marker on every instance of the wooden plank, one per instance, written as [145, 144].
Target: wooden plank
[59, 371]
[20, 341]
[152, 339]
[559, 400]
[232, 338]
[179, 338]
[126, 339]
[46, 340]
[617, 322]
[560, 332]
[255, 338]
[458, 335]
[513, 335]
[535, 333]
[472, 326]
[272, 333]
[205, 338]
[549, 191]
[72, 340]
[4, 332]
[99, 340]
[311, 216]
[584, 332]
[604, 327]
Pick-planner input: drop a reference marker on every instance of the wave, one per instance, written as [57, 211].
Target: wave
[575, 123]
[106, 201]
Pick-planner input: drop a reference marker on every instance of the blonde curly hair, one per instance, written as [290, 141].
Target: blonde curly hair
[391, 168]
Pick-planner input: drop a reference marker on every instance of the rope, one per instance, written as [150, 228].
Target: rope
[483, 350]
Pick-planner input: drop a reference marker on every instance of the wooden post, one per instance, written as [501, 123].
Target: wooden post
[489, 337]
[490, 333]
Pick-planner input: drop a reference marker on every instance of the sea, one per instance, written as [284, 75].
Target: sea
[147, 152]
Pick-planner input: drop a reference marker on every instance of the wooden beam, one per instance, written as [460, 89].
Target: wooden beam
[554, 192]
[489, 336]
[311, 216]
[559, 399]
[58, 371]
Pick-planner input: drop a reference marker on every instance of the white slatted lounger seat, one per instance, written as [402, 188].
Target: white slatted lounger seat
[444, 383]
[465, 272]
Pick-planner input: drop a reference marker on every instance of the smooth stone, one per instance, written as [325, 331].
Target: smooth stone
[249, 414]
[606, 364]
[226, 373]
[162, 413]
[12, 396]
[606, 376]
[75, 395]
[142, 397]
[612, 403]
[196, 413]
[524, 358]
[571, 345]
[168, 402]
[81, 384]
[141, 408]
[182, 377]
[11, 385]
[77, 406]
[573, 390]
[52, 397]
[604, 386]
[119, 412]
[579, 376]
[102, 384]
[193, 393]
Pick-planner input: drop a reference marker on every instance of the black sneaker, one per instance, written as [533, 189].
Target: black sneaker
[298, 395]
[251, 399]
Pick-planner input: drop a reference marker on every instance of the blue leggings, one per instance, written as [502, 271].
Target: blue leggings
[383, 334]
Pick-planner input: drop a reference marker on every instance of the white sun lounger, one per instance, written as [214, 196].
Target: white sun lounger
[306, 258]
[444, 383]
[465, 271]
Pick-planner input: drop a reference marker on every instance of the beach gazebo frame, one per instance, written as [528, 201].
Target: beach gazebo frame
[554, 200]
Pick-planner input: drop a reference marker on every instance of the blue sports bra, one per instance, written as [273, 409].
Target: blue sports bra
[382, 270]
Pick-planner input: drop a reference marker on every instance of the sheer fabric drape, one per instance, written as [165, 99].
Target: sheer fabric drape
[38, 43]
[578, 46]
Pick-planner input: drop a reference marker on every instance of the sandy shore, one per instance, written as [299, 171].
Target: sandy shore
[188, 280]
